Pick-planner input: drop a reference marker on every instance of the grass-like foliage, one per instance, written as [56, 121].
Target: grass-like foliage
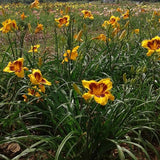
[79, 81]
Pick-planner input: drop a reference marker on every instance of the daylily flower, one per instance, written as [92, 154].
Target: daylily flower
[152, 45]
[101, 37]
[39, 28]
[34, 91]
[9, 25]
[136, 31]
[126, 15]
[112, 21]
[36, 78]
[35, 4]
[87, 14]
[63, 21]
[100, 90]
[16, 67]
[72, 55]
[34, 48]
[23, 16]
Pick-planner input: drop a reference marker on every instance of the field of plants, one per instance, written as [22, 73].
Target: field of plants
[80, 81]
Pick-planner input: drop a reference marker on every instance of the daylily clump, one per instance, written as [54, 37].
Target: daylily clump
[100, 90]
[87, 14]
[63, 21]
[9, 25]
[152, 45]
[16, 67]
[70, 54]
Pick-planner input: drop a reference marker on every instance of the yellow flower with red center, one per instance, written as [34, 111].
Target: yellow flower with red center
[101, 37]
[16, 67]
[63, 21]
[39, 28]
[152, 45]
[100, 90]
[72, 55]
[23, 16]
[35, 4]
[36, 78]
[87, 14]
[34, 48]
[126, 15]
[9, 25]
[112, 21]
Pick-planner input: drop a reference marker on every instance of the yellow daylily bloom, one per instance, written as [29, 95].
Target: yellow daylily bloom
[9, 25]
[23, 16]
[16, 67]
[72, 55]
[112, 21]
[152, 45]
[63, 21]
[35, 4]
[36, 78]
[34, 48]
[87, 14]
[34, 92]
[126, 15]
[39, 28]
[100, 90]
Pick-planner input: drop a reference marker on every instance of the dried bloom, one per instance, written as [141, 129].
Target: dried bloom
[101, 37]
[78, 36]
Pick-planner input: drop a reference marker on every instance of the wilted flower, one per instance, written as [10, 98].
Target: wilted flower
[36, 78]
[34, 48]
[152, 45]
[101, 37]
[63, 21]
[16, 67]
[100, 90]
[78, 36]
[9, 25]
[39, 28]
[23, 16]
[87, 14]
[72, 55]
[35, 4]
